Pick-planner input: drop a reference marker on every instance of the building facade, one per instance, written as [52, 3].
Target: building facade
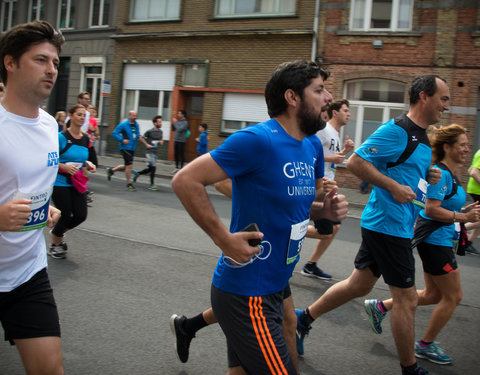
[87, 57]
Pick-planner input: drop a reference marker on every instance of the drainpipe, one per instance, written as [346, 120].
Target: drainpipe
[315, 30]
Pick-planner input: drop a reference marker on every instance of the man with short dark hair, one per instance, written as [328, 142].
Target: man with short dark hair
[396, 159]
[333, 153]
[276, 168]
[29, 155]
[181, 128]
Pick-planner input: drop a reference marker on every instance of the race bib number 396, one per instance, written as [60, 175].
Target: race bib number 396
[39, 214]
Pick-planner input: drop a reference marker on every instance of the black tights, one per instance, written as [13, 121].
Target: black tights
[150, 169]
[179, 151]
[73, 206]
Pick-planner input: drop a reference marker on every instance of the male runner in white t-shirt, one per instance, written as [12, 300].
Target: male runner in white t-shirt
[325, 230]
[29, 164]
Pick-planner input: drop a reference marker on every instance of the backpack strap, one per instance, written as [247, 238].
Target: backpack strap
[84, 141]
[415, 136]
[454, 180]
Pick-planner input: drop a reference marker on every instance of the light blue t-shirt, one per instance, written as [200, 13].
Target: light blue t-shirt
[382, 213]
[77, 154]
[273, 184]
[445, 234]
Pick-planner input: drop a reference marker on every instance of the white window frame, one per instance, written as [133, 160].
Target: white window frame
[40, 4]
[67, 15]
[86, 62]
[232, 14]
[367, 16]
[11, 5]
[164, 18]
[101, 14]
[146, 124]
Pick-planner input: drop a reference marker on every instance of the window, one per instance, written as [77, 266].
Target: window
[194, 75]
[372, 102]
[389, 15]
[155, 10]
[241, 110]
[148, 103]
[8, 12]
[233, 8]
[66, 13]
[36, 10]
[99, 11]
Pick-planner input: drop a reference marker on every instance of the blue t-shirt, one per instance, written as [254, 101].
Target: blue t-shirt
[77, 154]
[445, 234]
[273, 184]
[202, 143]
[382, 213]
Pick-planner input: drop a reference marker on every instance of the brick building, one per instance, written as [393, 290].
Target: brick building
[213, 59]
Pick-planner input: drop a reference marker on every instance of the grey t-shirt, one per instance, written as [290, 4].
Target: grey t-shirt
[181, 127]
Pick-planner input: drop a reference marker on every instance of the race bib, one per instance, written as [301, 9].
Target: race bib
[155, 143]
[40, 204]
[421, 193]
[297, 237]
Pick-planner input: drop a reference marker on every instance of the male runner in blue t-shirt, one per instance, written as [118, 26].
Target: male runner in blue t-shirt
[388, 219]
[275, 168]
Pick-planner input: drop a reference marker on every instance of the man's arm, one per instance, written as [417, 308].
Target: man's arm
[366, 171]
[117, 133]
[189, 185]
[475, 174]
[327, 204]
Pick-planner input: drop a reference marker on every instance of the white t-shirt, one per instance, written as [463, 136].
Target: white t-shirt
[330, 139]
[28, 165]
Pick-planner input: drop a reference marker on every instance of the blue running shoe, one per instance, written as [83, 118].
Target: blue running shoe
[302, 331]
[135, 176]
[375, 315]
[432, 353]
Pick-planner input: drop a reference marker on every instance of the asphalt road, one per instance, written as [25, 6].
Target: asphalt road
[140, 258]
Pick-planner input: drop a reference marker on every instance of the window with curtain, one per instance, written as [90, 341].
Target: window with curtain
[232, 8]
[390, 15]
[372, 102]
[155, 10]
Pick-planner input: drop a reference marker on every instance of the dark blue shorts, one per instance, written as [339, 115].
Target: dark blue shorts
[253, 328]
[29, 311]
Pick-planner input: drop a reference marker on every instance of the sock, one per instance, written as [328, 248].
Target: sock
[409, 369]
[194, 324]
[306, 319]
[382, 307]
[424, 344]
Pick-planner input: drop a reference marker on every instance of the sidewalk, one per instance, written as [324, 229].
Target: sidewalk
[356, 200]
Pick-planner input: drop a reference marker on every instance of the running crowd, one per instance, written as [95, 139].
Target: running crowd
[285, 168]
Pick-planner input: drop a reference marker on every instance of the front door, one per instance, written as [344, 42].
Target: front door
[195, 118]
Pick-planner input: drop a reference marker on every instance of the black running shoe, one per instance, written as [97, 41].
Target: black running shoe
[182, 338]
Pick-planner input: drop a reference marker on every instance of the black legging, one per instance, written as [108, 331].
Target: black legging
[150, 169]
[179, 157]
[73, 206]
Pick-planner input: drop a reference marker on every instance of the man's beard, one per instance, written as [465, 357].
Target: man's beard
[309, 122]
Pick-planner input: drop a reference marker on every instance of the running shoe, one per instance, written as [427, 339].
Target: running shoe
[135, 176]
[432, 353]
[153, 187]
[375, 315]
[57, 251]
[130, 187]
[418, 371]
[302, 331]
[182, 338]
[311, 270]
[109, 173]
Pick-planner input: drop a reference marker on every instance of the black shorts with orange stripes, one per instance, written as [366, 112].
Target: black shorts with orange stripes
[253, 328]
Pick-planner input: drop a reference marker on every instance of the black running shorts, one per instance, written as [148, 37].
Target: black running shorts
[253, 328]
[127, 156]
[389, 256]
[437, 260]
[30, 311]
